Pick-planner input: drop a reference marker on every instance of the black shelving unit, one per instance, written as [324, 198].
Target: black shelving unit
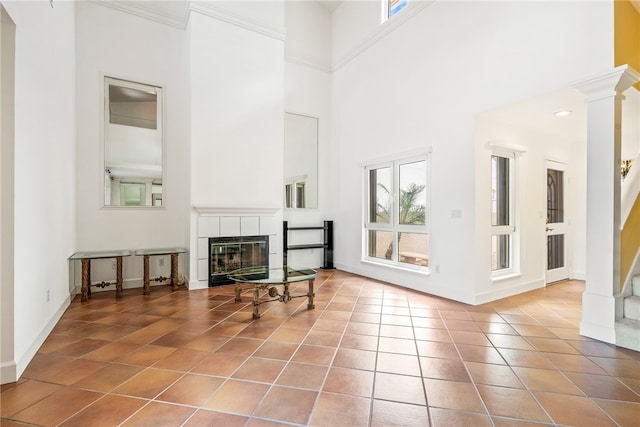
[326, 245]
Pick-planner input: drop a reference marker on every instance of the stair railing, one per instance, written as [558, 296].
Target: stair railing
[630, 224]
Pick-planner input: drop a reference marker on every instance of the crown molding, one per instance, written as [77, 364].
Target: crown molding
[209, 9]
[413, 9]
[299, 58]
[174, 14]
[609, 83]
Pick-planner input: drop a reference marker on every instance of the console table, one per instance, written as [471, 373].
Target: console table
[146, 253]
[264, 278]
[86, 257]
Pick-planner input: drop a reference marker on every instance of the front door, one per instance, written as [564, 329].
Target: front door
[556, 230]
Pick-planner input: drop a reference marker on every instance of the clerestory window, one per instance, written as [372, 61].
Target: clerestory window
[392, 7]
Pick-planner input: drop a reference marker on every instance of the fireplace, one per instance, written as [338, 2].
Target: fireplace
[227, 254]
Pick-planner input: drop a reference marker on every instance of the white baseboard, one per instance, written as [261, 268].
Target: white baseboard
[198, 284]
[8, 372]
[598, 332]
[11, 371]
[499, 292]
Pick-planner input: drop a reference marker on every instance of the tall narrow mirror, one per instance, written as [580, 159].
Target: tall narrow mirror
[133, 144]
[300, 161]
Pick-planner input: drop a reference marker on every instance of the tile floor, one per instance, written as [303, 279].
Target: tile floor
[370, 354]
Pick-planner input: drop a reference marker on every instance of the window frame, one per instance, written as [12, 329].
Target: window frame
[393, 226]
[511, 229]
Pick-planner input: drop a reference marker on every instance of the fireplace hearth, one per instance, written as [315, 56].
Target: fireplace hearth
[227, 254]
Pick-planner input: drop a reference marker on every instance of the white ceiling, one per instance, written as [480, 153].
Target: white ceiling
[536, 114]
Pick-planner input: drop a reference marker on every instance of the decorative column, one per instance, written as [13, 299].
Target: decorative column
[604, 116]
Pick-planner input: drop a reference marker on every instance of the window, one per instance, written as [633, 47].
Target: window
[391, 8]
[396, 225]
[502, 213]
[295, 194]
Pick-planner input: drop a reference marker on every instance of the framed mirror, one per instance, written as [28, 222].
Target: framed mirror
[300, 161]
[133, 144]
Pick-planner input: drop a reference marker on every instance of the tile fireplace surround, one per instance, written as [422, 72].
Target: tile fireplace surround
[214, 221]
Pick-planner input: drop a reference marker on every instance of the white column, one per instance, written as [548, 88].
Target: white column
[604, 116]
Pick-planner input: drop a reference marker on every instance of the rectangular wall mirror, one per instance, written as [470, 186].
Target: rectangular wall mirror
[300, 161]
[133, 144]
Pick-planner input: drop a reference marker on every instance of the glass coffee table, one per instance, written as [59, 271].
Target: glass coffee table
[264, 278]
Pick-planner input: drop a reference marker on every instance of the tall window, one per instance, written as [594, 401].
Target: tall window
[396, 226]
[502, 213]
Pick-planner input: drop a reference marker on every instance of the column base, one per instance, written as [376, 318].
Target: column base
[598, 317]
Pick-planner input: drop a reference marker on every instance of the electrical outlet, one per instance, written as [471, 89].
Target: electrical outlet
[161, 262]
[113, 265]
[48, 295]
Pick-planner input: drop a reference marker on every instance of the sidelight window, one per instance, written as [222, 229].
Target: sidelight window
[503, 230]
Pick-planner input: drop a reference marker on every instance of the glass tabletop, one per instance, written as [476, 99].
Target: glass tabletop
[99, 254]
[265, 275]
[160, 251]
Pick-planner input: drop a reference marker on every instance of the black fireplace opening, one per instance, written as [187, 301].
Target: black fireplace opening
[227, 254]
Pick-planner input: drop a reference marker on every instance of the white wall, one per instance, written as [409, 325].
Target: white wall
[237, 112]
[531, 204]
[237, 117]
[44, 227]
[117, 44]
[308, 92]
[7, 185]
[421, 86]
